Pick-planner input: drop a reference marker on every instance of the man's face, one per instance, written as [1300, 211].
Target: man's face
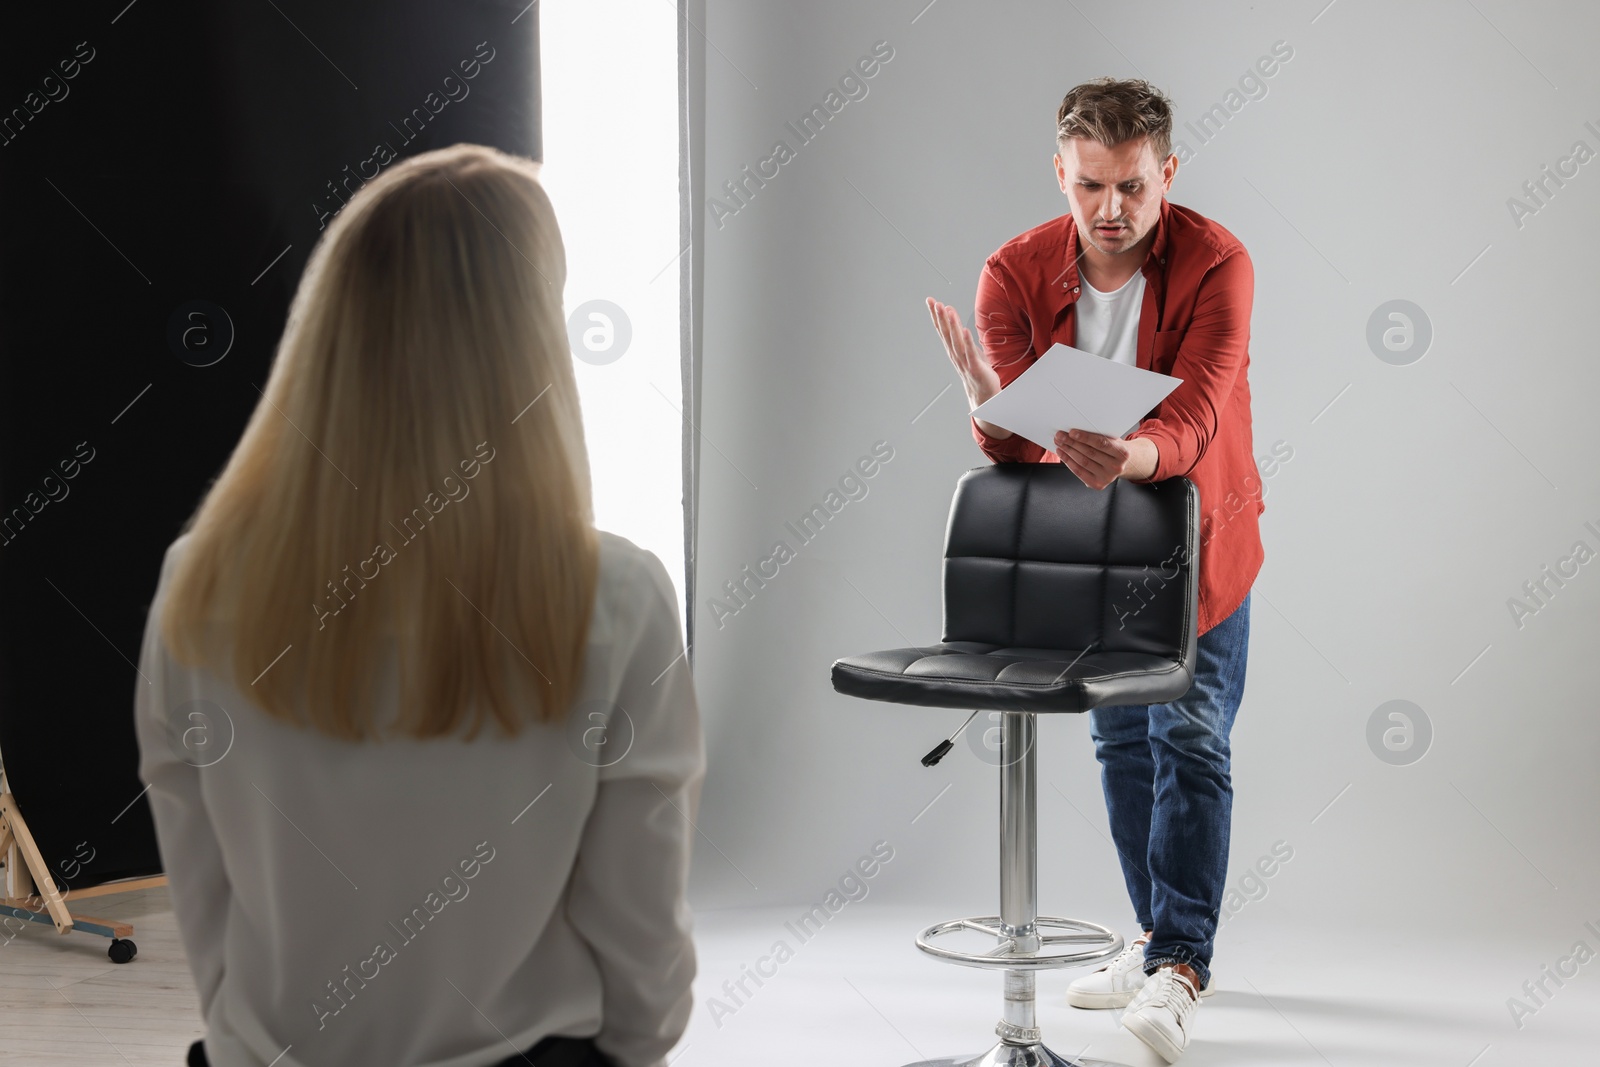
[1115, 192]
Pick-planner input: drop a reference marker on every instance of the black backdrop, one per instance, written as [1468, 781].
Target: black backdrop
[165, 169]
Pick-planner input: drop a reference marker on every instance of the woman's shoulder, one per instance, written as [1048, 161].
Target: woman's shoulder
[170, 558]
[628, 571]
[634, 605]
[632, 579]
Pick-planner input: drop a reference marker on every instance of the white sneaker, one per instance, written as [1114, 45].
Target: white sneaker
[1114, 985]
[1162, 1013]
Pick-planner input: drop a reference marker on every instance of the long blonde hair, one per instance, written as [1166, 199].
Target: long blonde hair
[415, 469]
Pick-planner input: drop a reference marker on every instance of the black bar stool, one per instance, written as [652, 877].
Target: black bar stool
[1057, 598]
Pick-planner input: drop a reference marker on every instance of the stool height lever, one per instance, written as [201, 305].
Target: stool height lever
[947, 744]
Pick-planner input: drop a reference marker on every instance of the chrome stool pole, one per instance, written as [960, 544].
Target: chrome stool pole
[1019, 871]
[1019, 948]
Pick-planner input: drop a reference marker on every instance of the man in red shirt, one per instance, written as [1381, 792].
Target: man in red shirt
[1132, 277]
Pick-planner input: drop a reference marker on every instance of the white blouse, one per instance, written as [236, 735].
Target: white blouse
[437, 903]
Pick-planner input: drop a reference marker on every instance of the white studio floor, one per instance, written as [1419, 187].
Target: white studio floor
[859, 993]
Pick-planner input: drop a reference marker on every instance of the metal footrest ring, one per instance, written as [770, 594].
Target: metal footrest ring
[1084, 943]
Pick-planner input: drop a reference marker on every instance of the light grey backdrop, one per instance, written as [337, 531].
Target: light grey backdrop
[1376, 165]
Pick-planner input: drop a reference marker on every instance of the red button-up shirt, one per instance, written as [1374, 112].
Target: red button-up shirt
[1194, 324]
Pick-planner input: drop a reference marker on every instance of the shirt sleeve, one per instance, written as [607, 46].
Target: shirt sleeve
[1209, 358]
[1003, 331]
[197, 879]
[630, 883]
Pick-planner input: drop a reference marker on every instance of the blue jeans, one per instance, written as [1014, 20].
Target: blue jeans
[1165, 769]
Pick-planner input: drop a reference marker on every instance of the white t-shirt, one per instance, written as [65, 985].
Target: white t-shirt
[1108, 323]
[437, 903]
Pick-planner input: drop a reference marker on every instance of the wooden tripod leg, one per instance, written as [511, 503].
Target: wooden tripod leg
[33, 863]
[18, 882]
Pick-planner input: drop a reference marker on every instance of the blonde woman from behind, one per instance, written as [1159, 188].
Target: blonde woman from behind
[421, 743]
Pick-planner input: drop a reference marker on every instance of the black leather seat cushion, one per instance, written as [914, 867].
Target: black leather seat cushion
[967, 674]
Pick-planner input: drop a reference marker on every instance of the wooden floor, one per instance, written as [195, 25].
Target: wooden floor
[63, 1002]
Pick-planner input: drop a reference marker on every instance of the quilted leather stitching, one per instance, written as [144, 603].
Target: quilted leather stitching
[1016, 550]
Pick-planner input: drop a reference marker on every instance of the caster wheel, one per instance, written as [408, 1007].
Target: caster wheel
[121, 951]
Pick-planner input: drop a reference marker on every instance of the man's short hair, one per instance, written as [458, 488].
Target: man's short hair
[1111, 111]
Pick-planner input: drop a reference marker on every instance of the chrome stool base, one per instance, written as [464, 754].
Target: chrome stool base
[1004, 1055]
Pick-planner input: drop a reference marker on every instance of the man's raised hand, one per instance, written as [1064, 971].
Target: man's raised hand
[978, 378]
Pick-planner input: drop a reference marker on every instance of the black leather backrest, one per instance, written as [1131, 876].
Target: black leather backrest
[1036, 559]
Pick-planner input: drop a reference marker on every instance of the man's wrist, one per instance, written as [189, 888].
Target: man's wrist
[1146, 459]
